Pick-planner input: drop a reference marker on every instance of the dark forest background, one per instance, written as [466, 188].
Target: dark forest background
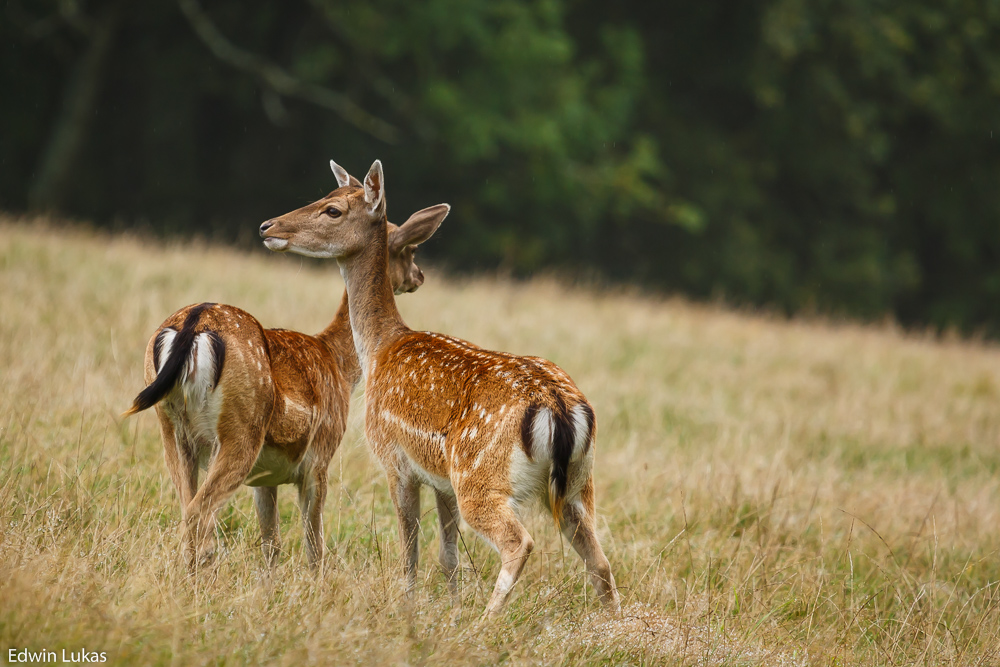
[830, 156]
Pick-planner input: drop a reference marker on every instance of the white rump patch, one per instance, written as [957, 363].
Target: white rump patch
[199, 370]
[529, 480]
[541, 435]
[199, 374]
[166, 346]
[193, 404]
[581, 432]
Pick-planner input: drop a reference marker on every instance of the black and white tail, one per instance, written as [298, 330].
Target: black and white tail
[188, 354]
[566, 433]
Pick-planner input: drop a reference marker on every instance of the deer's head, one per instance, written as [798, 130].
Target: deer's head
[340, 224]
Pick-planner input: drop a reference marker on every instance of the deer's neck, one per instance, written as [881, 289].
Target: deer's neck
[339, 339]
[375, 321]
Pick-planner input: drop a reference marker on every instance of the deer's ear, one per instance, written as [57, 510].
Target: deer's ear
[419, 227]
[375, 187]
[343, 178]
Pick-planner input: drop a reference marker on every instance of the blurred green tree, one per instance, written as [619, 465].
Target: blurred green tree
[834, 156]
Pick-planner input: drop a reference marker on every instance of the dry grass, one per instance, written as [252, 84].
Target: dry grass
[771, 492]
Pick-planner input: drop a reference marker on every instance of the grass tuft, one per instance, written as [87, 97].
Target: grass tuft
[771, 492]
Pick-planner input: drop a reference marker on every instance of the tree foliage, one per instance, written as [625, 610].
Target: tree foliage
[836, 156]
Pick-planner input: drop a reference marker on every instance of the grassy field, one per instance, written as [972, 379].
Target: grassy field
[771, 492]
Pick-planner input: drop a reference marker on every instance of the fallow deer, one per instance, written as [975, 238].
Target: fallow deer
[492, 433]
[257, 406]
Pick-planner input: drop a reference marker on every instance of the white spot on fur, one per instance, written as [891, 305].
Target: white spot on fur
[413, 430]
[292, 406]
[479, 459]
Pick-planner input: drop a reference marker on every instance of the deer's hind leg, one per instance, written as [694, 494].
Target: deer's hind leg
[579, 527]
[238, 448]
[265, 500]
[312, 498]
[490, 515]
[178, 453]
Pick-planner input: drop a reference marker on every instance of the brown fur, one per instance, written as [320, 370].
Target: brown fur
[275, 414]
[487, 430]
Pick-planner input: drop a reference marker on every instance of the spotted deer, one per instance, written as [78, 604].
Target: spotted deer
[262, 407]
[493, 434]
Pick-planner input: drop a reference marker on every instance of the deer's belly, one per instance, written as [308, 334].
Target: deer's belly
[423, 448]
[427, 477]
[273, 467]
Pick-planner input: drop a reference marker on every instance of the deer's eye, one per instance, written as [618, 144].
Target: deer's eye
[333, 212]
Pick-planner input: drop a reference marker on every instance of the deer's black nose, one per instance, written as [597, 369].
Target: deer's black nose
[266, 226]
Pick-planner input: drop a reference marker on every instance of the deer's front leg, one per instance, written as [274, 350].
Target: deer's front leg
[448, 517]
[405, 492]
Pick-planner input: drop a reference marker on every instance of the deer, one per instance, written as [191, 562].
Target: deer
[494, 434]
[262, 407]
